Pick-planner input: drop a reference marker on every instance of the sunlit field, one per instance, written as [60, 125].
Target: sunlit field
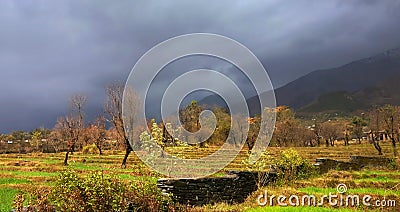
[26, 172]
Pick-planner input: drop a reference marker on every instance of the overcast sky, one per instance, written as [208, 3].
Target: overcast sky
[52, 49]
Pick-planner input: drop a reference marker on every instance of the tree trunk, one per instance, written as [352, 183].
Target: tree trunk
[248, 146]
[162, 152]
[99, 148]
[393, 142]
[70, 150]
[128, 150]
[394, 147]
[327, 142]
[376, 145]
[66, 158]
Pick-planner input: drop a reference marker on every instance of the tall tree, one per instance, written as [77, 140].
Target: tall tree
[223, 125]
[316, 129]
[97, 133]
[113, 107]
[190, 119]
[331, 131]
[346, 134]
[391, 117]
[374, 120]
[36, 138]
[254, 129]
[37, 135]
[70, 127]
[357, 125]
[286, 127]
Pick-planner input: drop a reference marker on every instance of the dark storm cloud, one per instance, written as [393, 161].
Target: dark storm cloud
[52, 49]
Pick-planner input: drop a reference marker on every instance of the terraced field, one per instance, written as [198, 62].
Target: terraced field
[23, 172]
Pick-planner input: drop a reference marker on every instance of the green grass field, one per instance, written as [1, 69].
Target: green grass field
[22, 172]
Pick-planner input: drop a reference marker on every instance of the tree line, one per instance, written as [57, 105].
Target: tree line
[72, 132]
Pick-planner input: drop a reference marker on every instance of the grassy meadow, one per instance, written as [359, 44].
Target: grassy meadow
[25, 172]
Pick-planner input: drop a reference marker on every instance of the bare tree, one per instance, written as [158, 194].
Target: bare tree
[113, 107]
[54, 141]
[357, 125]
[286, 127]
[374, 125]
[97, 133]
[346, 134]
[70, 127]
[331, 131]
[307, 136]
[238, 137]
[316, 129]
[254, 129]
[390, 115]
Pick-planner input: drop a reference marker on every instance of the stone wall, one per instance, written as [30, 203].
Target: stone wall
[355, 163]
[370, 161]
[325, 164]
[235, 186]
[232, 188]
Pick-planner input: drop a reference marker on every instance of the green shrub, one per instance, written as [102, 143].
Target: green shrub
[37, 201]
[94, 193]
[90, 149]
[260, 167]
[147, 197]
[18, 202]
[393, 164]
[291, 166]
[100, 192]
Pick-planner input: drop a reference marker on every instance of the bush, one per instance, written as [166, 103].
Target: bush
[393, 164]
[94, 193]
[260, 167]
[147, 197]
[100, 192]
[291, 166]
[37, 201]
[90, 149]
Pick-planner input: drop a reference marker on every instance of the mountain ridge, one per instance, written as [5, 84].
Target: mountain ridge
[353, 78]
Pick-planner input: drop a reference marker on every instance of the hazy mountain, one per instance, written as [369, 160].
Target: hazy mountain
[384, 92]
[356, 85]
[213, 100]
[340, 102]
[355, 76]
